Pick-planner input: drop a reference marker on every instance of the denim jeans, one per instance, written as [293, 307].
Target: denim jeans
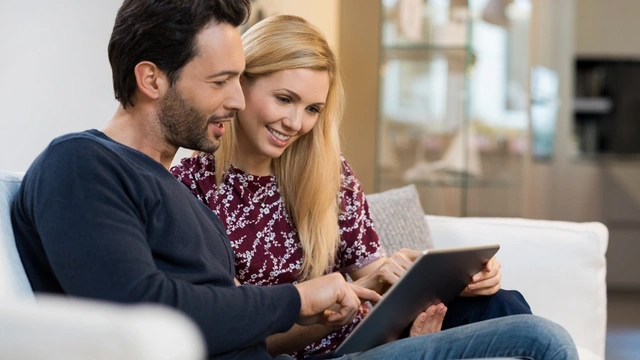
[516, 336]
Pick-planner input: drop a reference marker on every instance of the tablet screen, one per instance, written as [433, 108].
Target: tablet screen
[437, 276]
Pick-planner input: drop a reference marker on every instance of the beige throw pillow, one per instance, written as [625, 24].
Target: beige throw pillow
[399, 219]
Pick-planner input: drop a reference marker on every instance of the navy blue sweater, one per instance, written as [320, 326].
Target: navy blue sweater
[97, 219]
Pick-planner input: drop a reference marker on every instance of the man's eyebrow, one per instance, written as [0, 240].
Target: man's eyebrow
[223, 73]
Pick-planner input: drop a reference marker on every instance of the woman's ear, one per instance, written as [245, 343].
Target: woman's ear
[152, 82]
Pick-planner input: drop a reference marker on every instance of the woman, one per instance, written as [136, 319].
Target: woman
[291, 204]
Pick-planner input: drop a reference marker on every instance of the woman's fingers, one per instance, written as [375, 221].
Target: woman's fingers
[429, 321]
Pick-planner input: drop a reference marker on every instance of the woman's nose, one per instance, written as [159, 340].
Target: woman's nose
[293, 121]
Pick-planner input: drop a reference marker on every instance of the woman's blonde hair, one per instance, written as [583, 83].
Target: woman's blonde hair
[308, 172]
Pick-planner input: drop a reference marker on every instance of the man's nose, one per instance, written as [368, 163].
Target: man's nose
[236, 100]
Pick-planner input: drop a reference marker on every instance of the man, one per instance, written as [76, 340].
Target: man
[98, 214]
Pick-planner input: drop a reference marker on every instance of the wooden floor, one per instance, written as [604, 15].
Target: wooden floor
[623, 326]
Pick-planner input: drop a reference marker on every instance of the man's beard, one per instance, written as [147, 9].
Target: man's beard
[183, 125]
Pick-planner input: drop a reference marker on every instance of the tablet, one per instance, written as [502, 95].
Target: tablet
[437, 276]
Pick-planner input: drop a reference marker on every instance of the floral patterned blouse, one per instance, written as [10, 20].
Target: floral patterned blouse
[267, 250]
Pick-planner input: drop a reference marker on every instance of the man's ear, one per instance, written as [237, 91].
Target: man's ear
[152, 82]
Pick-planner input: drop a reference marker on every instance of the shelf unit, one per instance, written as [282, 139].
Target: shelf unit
[453, 104]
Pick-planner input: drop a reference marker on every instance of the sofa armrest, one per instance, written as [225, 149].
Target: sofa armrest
[74, 329]
[558, 266]
[13, 279]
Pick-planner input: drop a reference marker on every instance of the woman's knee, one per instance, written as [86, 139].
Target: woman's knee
[510, 302]
[467, 310]
[551, 336]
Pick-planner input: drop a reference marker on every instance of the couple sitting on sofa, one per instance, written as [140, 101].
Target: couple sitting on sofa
[109, 222]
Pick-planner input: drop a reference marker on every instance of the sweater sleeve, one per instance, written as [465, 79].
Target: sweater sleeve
[94, 231]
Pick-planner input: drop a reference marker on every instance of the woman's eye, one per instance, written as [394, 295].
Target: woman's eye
[313, 109]
[283, 99]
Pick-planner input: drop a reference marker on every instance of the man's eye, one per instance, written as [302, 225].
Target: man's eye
[220, 83]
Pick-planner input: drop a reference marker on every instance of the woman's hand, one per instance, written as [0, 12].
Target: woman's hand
[429, 321]
[381, 274]
[486, 282]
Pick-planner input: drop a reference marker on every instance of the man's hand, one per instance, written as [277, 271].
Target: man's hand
[486, 282]
[380, 275]
[430, 321]
[319, 294]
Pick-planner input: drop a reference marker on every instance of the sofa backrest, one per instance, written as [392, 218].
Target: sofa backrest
[559, 266]
[13, 279]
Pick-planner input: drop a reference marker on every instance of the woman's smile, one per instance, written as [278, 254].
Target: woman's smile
[283, 138]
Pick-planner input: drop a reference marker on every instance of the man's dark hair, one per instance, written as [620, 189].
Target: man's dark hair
[164, 33]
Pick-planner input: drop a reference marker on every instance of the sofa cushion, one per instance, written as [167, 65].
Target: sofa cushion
[13, 280]
[399, 219]
[559, 267]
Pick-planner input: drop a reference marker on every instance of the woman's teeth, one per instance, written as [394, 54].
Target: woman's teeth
[278, 135]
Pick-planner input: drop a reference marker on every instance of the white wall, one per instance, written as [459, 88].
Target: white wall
[54, 71]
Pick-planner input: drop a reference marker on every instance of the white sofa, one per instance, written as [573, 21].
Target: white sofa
[50, 327]
[558, 266]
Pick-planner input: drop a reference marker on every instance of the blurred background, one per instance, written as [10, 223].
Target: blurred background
[508, 108]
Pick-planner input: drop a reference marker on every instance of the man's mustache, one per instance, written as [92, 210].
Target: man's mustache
[227, 116]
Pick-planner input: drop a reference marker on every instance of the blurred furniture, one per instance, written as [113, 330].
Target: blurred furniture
[559, 267]
[57, 327]
[606, 106]
[606, 128]
[453, 100]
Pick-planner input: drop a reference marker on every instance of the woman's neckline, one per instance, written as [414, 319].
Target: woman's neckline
[237, 171]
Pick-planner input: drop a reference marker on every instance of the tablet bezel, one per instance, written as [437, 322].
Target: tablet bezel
[415, 292]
